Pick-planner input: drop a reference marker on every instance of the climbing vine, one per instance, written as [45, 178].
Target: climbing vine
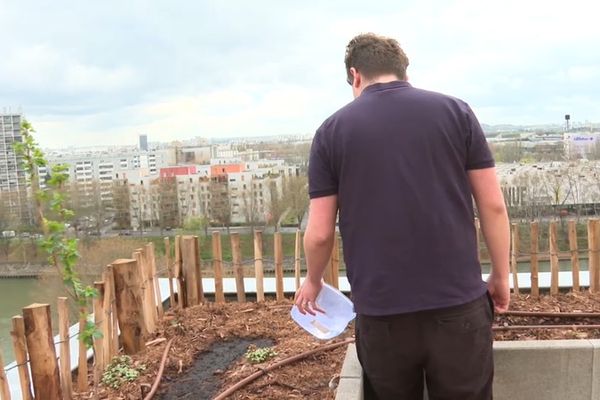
[53, 217]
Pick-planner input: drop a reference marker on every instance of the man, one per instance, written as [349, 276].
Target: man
[402, 166]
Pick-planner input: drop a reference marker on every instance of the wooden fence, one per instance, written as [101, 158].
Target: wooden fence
[129, 306]
[127, 311]
[532, 253]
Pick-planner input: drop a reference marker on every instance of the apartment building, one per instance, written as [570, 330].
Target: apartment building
[223, 192]
[13, 182]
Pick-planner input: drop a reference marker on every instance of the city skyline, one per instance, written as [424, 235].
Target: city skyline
[93, 73]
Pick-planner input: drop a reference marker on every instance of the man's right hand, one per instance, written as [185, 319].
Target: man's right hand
[306, 297]
[500, 292]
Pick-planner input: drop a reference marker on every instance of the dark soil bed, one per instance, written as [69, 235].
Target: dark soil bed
[210, 341]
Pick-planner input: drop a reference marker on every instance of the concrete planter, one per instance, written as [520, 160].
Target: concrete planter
[524, 370]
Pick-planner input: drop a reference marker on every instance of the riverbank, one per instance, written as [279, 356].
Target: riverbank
[24, 270]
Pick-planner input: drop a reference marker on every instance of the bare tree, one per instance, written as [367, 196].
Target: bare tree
[168, 204]
[295, 196]
[250, 205]
[121, 204]
[557, 187]
[277, 206]
[220, 205]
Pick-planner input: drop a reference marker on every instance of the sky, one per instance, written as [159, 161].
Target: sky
[95, 73]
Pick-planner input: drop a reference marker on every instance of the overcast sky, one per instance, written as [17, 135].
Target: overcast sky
[88, 73]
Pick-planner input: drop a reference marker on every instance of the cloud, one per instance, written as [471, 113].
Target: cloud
[105, 72]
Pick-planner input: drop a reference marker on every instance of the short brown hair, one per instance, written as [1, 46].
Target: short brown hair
[373, 55]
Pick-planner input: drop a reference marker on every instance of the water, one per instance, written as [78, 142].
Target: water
[16, 293]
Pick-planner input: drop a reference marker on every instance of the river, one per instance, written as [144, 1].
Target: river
[16, 293]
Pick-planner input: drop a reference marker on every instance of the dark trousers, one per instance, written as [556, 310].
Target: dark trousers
[449, 350]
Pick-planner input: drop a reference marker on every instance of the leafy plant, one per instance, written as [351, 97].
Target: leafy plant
[259, 355]
[120, 371]
[53, 218]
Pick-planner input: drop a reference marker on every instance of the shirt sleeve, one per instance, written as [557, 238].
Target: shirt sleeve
[479, 155]
[322, 180]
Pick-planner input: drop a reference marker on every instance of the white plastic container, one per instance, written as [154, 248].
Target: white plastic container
[339, 311]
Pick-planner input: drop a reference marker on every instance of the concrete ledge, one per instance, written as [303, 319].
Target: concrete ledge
[350, 386]
[524, 370]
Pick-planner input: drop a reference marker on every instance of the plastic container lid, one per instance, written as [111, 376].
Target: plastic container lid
[339, 311]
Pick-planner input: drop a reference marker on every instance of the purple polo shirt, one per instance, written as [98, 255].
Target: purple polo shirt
[397, 157]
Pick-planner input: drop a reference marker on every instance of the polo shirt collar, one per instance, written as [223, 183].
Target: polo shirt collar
[377, 87]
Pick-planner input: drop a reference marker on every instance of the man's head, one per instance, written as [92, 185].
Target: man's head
[371, 58]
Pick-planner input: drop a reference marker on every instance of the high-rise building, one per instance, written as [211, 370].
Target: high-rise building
[144, 142]
[13, 183]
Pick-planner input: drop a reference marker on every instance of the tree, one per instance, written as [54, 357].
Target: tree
[7, 222]
[220, 205]
[555, 182]
[86, 200]
[295, 196]
[168, 205]
[277, 206]
[121, 204]
[250, 205]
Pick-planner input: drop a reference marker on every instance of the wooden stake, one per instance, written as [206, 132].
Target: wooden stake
[66, 380]
[151, 258]
[129, 305]
[573, 247]
[198, 269]
[297, 258]
[596, 265]
[20, 350]
[148, 284]
[110, 307]
[514, 255]
[44, 365]
[82, 365]
[145, 286]
[335, 262]
[534, 235]
[170, 272]
[594, 257]
[4, 389]
[554, 266]
[218, 267]
[188, 255]
[238, 269]
[178, 274]
[99, 316]
[106, 324]
[278, 266]
[258, 266]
